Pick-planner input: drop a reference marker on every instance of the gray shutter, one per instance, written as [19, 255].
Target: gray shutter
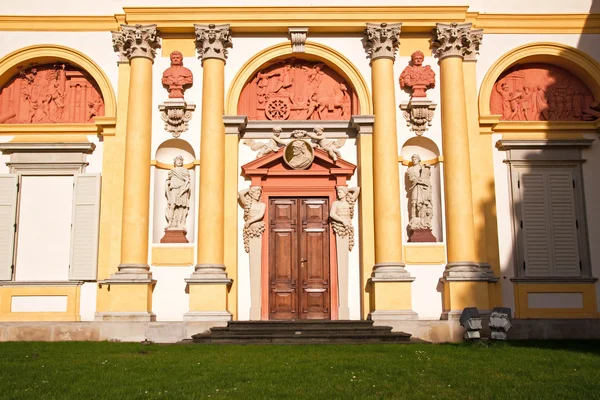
[85, 227]
[534, 213]
[563, 215]
[8, 217]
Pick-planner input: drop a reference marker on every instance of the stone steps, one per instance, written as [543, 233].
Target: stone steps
[301, 332]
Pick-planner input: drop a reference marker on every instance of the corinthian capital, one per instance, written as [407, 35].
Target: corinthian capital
[136, 41]
[382, 40]
[476, 37]
[451, 39]
[212, 41]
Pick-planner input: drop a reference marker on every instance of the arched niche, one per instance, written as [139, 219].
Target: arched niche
[314, 53]
[164, 160]
[81, 67]
[429, 153]
[575, 62]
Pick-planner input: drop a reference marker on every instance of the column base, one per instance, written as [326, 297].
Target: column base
[391, 272]
[205, 273]
[393, 315]
[131, 273]
[207, 316]
[392, 297]
[467, 284]
[469, 271]
[125, 316]
[208, 297]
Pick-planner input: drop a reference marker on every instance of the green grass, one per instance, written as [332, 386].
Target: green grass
[517, 370]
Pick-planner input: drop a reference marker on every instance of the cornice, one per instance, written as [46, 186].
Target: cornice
[60, 23]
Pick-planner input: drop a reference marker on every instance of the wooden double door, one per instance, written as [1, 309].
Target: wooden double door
[299, 268]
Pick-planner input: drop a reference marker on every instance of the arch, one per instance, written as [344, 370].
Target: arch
[316, 51]
[567, 57]
[49, 53]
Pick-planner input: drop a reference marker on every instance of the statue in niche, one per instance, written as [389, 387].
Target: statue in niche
[254, 212]
[297, 90]
[177, 192]
[417, 77]
[542, 92]
[177, 78]
[332, 147]
[421, 206]
[298, 154]
[50, 94]
[342, 212]
[272, 146]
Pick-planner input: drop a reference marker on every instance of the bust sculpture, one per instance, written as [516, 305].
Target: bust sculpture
[254, 212]
[342, 212]
[417, 77]
[177, 78]
[177, 192]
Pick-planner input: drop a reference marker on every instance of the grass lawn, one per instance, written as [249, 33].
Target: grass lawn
[516, 370]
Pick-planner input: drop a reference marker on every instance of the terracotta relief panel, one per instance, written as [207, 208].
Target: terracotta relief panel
[541, 92]
[50, 94]
[296, 89]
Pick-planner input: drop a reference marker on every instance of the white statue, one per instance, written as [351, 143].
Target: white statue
[342, 212]
[329, 145]
[254, 212]
[421, 207]
[273, 145]
[177, 192]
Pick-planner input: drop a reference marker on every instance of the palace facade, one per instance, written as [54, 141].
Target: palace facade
[166, 169]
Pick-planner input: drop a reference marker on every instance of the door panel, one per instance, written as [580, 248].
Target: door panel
[299, 258]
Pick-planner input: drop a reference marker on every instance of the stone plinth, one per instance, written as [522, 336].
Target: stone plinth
[174, 236]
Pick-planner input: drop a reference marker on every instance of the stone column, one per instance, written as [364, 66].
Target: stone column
[208, 284]
[390, 280]
[452, 42]
[131, 285]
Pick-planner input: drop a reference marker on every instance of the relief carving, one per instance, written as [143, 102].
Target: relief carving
[177, 192]
[342, 212]
[421, 206]
[542, 92]
[176, 115]
[297, 90]
[254, 212]
[298, 154]
[50, 94]
[177, 78]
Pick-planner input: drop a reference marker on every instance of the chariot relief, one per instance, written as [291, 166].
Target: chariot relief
[296, 89]
[50, 94]
[542, 92]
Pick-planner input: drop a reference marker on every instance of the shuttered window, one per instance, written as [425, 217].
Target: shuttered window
[550, 229]
[8, 215]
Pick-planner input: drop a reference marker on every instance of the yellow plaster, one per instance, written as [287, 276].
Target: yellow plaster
[61, 23]
[168, 166]
[366, 230]
[392, 296]
[128, 297]
[458, 295]
[332, 58]
[588, 291]
[411, 42]
[208, 297]
[536, 23]
[425, 253]
[432, 161]
[173, 256]
[72, 292]
[51, 53]
[183, 42]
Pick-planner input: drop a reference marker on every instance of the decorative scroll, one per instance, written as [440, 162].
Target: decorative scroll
[541, 92]
[296, 89]
[50, 94]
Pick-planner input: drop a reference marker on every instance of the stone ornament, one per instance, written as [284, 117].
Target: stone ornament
[451, 39]
[418, 78]
[50, 94]
[118, 40]
[176, 114]
[295, 89]
[476, 37]
[542, 92]
[418, 114]
[328, 145]
[212, 41]
[254, 212]
[298, 154]
[342, 213]
[421, 206]
[272, 146]
[382, 40]
[177, 78]
[298, 38]
[136, 41]
[177, 192]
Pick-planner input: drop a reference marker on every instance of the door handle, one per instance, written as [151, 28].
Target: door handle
[302, 261]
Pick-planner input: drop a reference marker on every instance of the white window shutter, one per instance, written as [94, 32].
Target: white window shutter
[8, 216]
[85, 227]
[563, 222]
[535, 224]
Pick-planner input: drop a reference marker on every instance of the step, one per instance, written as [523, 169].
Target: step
[302, 339]
[379, 330]
[298, 324]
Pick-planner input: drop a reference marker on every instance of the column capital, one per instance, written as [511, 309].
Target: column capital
[136, 41]
[382, 40]
[212, 41]
[472, 51]
[451, 39]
